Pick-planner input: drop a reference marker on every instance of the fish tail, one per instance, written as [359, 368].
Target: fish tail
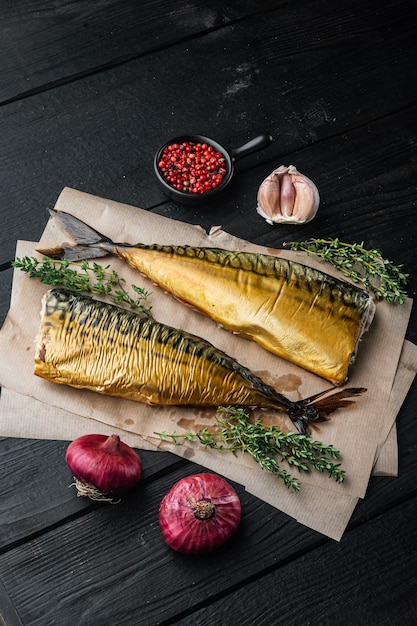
[88, 242]
[317, 408]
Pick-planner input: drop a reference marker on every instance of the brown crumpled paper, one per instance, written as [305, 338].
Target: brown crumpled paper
[361, 432]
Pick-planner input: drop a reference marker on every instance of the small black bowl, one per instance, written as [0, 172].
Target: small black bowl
[258, 143]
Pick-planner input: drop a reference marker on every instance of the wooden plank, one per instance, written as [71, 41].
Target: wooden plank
[359, 581]
[52, 43]
[100, 133]
[8, 616]
[79, 573]
[333, 87]
[140, 581]
[5, 291]
[38, 467]
[372, 191]
[139, 587]
[367, 183]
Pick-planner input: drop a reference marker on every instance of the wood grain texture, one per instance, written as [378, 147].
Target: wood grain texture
[88, 92]
[71, 136]
[8, 615]
[56, 42]
[39, 467]
[136, 568]
[367, 182]
[355, 582]
[5, 291]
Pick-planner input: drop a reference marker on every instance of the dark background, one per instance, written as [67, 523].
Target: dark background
[88, 92]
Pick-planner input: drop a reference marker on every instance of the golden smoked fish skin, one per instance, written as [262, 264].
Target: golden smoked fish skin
[88, 344]
[296, 312]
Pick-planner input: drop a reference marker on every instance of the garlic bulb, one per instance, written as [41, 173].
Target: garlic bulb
[288, 197]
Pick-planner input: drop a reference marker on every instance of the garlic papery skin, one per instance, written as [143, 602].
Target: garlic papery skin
[103, 466]
[199, 514]
[287, 197]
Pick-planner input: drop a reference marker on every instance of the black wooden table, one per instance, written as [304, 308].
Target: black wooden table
[88, 91]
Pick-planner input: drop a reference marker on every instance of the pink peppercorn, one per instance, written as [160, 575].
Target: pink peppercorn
[192, 167]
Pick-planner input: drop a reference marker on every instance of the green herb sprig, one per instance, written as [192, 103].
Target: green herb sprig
[367, 267]
[267, 445]
[87, 278]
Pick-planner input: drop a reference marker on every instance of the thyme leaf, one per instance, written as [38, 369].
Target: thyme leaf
[267, 445]
[363, 266]
[85, 278]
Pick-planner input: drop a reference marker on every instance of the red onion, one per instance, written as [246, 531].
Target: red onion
[199, 514]
[103, 466]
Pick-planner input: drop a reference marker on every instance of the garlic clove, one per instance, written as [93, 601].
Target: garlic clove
[269, 195]
[306, 198]
[286, 196]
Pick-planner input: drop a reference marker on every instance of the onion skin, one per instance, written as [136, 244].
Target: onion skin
[104, 462]
[186, 533]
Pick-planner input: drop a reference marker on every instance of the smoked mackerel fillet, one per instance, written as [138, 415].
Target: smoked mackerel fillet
[88, 344]
[294, 311]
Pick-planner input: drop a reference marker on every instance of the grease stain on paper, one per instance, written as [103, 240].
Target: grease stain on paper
[274, 251]
[188, 453]
[285, 383]
[190, 425]
[289, 382]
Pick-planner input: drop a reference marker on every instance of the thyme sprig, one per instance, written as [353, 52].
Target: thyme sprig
[267, 445]
[367, 267]
[86, 278]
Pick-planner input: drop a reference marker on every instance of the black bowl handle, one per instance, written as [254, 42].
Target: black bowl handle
[255, 144]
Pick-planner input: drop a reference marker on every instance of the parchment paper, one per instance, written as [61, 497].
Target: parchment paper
[359, 431]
